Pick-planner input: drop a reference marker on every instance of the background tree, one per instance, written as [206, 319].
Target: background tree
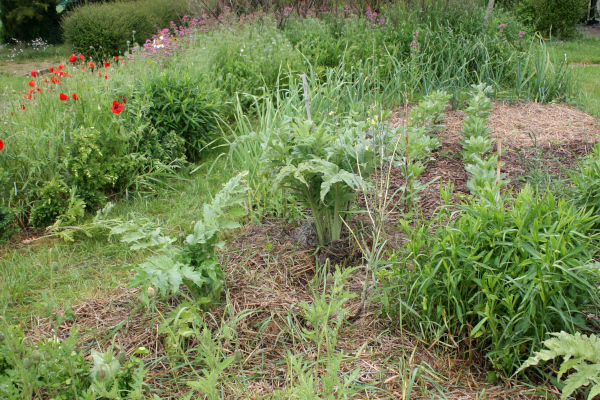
[27, 20]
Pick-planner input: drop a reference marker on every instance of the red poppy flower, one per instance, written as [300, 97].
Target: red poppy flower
[63, 96]
[117, 107]
[61, 66]
[27, 96]
[123, 99]
[73, 58]
[116, 58]
[39, 89]
[32, 83]
[30, 90]
[1, 144]
[45, 80]
[106, 65]
[92, 66]
[105, 76]
[51, 69]
[55, 80]
[75, 97]
[34, 73]
[21, 106]
[81, 57]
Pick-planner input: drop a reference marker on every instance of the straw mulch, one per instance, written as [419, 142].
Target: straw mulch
[269, 275]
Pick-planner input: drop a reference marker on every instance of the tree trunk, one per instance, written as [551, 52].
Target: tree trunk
[488, 13]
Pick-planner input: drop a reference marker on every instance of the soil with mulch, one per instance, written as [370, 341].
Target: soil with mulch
[269, 274]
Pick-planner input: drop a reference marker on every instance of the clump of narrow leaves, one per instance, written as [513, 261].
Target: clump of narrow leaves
[497, 276]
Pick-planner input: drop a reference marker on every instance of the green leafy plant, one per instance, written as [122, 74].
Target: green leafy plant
[183, 105]
[102, 30]
[586, 182]
[498, 279]
[579, 352]
[319, 165]
[196, 265]
[554, 17]
[478, 142]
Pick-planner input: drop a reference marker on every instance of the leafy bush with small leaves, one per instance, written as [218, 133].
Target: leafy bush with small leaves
[103, 29]
[579, 352]
[53, 202]
[499, 279]
[183, 105]
[554, 17]
[8, 224]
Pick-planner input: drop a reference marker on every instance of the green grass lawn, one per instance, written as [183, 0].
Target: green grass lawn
[89, 266]
[583, 56]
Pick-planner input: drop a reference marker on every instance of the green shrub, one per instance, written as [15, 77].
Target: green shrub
[497, 280]
[554, 17]
[103, 30]
[183, 105]
[53, 202]
[8, 224]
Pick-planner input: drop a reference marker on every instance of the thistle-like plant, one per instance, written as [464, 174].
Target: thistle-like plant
[322, 166]
[579, 352]
[196, 265]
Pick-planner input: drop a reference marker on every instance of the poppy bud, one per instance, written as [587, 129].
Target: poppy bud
[151, 292]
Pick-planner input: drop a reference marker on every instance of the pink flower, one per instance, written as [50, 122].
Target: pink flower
[502, 26]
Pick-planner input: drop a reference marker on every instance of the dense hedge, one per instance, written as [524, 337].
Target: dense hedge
[104, 29]
[554, 17]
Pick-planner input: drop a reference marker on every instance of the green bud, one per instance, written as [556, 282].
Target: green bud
[122, 357]
[27, 363]
[36, 355]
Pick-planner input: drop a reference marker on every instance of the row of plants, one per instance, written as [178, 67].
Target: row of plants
[477, 144]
